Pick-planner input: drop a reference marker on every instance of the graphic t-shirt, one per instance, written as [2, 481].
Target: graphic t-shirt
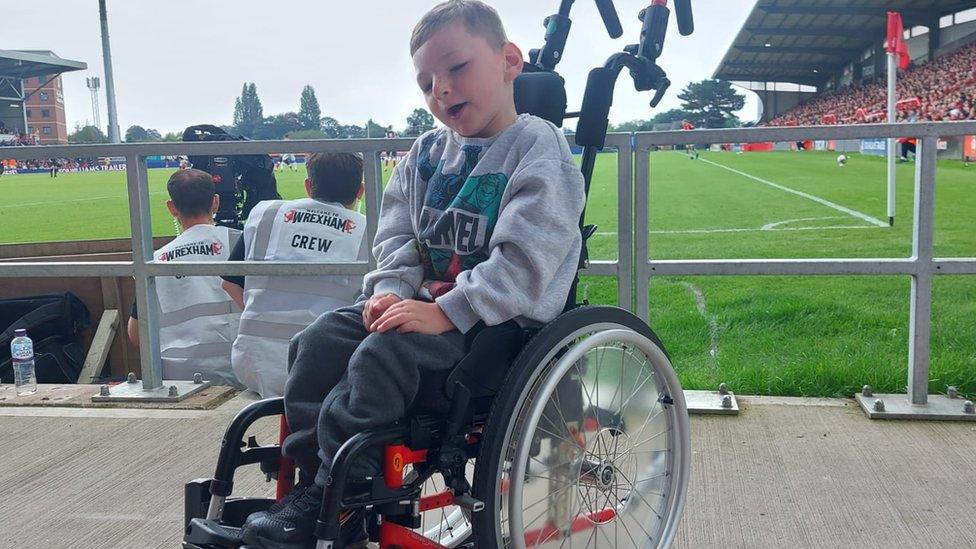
[458, 215]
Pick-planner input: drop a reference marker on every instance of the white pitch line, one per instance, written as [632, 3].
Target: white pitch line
[773, 226]
[74, 200]
[817, 199]
[763, 230]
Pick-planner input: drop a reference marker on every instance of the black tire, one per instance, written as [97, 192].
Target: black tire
[529, 367]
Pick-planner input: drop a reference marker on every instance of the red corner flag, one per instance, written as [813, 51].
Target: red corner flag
[896, 40]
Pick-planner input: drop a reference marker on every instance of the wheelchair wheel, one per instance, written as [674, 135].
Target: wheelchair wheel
[587, 443]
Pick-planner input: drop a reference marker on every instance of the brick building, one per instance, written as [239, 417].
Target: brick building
[45, 110]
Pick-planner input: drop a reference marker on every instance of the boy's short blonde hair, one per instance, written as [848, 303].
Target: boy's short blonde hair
[478, 18]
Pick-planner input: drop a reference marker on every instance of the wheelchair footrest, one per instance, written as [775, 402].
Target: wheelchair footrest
[209, 534]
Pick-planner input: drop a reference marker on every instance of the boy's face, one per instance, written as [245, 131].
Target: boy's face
[467, 83]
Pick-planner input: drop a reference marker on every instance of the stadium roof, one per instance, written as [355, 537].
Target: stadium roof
[805, 41]
[27, 63]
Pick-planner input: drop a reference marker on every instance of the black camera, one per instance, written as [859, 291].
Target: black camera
[241, 181]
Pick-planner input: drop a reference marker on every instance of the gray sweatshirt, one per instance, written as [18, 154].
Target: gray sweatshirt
[488, 228]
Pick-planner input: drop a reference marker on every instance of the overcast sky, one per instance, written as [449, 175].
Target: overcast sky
[182, 62]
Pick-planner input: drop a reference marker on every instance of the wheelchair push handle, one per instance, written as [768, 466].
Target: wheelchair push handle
[686, 21]
[610, 19]
[558, 26]
[655, 19]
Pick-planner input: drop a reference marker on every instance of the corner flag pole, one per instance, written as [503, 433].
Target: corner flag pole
[897, 56]
[892, 142]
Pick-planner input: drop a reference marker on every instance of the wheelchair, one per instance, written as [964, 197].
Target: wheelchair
[574, 433]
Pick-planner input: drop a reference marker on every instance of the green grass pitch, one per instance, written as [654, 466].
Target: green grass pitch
[811, 336]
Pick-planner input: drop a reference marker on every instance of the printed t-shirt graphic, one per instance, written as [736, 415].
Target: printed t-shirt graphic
[459, 214]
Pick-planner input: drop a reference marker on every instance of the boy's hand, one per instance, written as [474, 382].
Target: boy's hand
[413, 316]
[375, 307]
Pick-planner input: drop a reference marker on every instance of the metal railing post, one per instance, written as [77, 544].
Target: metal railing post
[920, 309]
[625, 225]
[373, 173]
[140, 221]
[642, 192]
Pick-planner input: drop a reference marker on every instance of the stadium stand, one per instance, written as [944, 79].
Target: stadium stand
[944, 89]
[815, 62]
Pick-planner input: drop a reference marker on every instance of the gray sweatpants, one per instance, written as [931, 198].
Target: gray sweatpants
[343, 380]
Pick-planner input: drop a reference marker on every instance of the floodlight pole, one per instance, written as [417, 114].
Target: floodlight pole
[892, 142]
[113, 118]
[93, 86]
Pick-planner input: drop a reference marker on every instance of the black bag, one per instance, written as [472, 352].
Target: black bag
[54, 323]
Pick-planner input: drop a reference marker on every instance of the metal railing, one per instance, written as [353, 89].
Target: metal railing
[633, 245]
[922, 266]
[144, 269]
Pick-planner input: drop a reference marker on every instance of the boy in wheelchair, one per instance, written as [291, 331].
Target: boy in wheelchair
[478, 226]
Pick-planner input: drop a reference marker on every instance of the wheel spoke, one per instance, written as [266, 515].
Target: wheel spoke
[622, 520]
[647, 421]
[634, 491]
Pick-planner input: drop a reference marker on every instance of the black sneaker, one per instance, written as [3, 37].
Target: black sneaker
[293, 527]
[279, 505]
[290, 528]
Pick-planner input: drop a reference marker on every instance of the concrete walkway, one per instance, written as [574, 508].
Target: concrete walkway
[802, 474]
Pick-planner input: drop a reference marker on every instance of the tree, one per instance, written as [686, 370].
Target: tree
[711, 103]
[87, 134]
[418, 122]
[138, 134]
[633, 126]
[306, 134]
[309, 113]
[331, 128]
[278, 126]
[248, 112]
[375, 131]
[673, 115]
[172, 137]
[352, 132]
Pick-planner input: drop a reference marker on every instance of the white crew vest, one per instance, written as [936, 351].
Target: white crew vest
[198, 320]
[276, 308]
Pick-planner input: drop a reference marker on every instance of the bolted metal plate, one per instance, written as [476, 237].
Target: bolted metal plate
[134, 392]
[710, 402]
[939, 407]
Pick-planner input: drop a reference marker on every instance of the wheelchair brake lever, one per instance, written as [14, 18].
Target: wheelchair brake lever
[659, 94]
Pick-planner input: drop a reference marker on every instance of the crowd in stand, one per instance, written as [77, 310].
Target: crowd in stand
[64, 165]
[943, 89]
[10, 137]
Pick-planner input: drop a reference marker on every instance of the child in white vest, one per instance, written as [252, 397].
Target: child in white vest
[321, 228]
[197, 322]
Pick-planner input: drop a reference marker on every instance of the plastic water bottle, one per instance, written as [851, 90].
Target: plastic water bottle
[22, 353]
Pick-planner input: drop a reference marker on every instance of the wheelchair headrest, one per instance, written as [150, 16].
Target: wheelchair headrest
[542, 94]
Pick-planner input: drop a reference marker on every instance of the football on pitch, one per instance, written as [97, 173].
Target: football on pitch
[841, 159]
